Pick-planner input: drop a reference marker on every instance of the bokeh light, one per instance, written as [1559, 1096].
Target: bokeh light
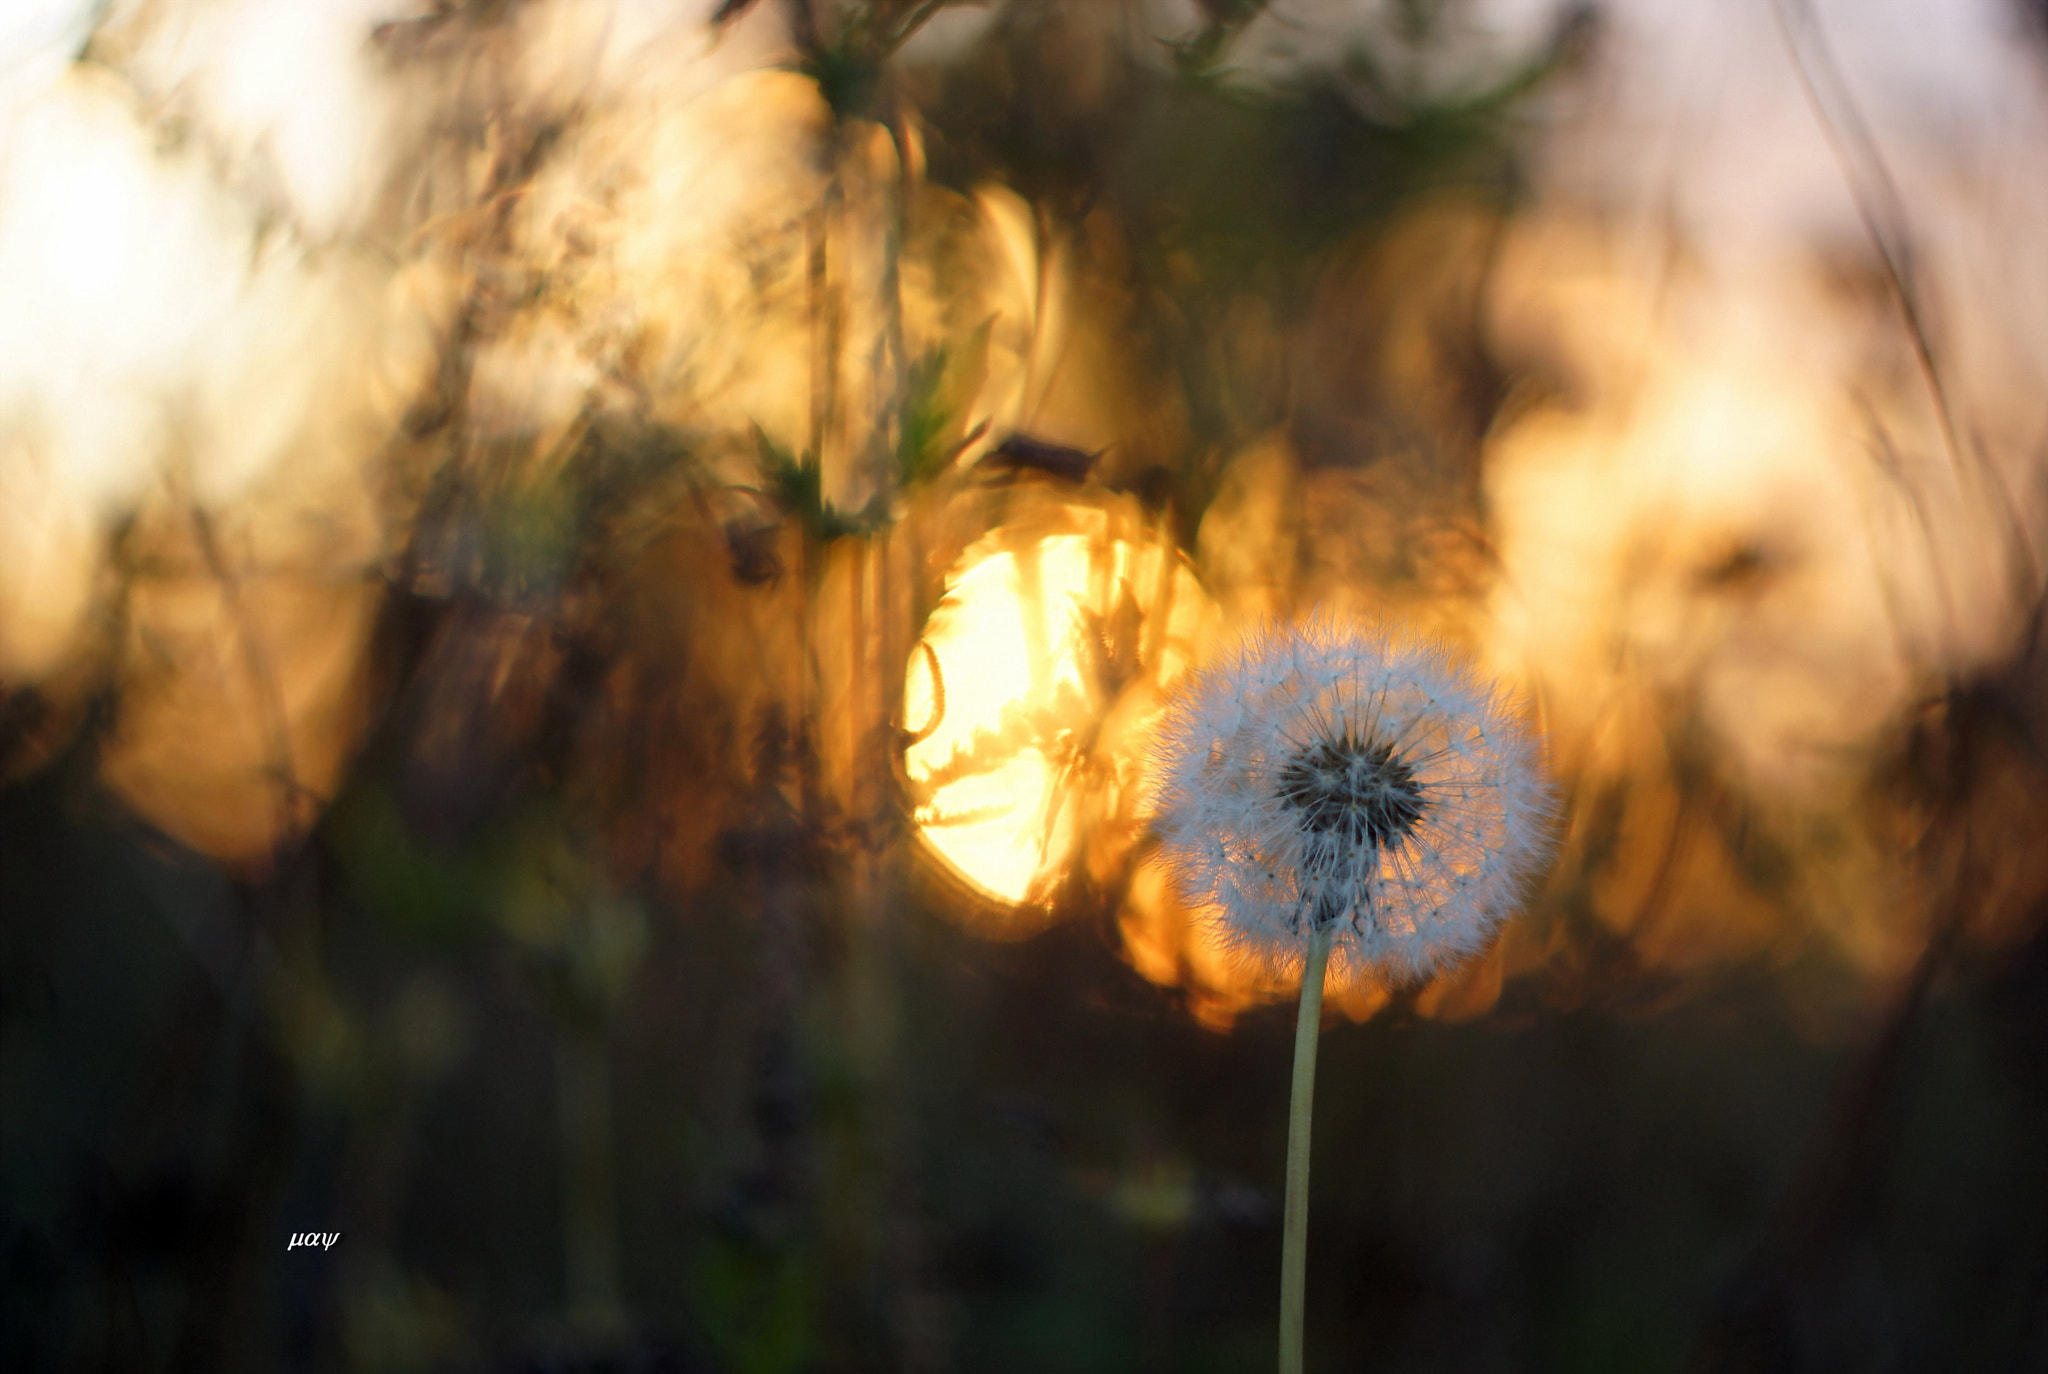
[1029, 694]
[583, 584]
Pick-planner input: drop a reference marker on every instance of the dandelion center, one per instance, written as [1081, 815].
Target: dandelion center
[1356, 790]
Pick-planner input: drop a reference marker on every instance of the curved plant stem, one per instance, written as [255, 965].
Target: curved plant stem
[1300, 1113]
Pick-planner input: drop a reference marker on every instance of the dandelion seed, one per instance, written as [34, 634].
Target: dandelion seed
[1324, 778]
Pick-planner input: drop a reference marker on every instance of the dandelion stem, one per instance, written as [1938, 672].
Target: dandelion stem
[1301, 1111]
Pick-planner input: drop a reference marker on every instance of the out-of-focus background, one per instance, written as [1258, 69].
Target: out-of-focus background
[584, 585]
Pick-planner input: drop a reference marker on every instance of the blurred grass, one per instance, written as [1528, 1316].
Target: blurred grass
[845, 1133]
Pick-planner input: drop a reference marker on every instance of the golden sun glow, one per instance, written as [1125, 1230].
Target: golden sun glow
[1027, 697]
[1029, 703]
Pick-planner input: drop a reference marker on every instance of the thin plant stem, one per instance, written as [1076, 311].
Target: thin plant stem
[1300, 1115]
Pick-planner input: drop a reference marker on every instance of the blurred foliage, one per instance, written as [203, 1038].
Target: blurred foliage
[797, 483]
[607, 1015]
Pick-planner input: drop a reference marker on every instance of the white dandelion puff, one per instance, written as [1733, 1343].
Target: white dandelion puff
[1323, 779]
[1340, 798]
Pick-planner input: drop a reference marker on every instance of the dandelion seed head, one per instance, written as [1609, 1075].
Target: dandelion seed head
[1356, 788]
[1326, 777]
